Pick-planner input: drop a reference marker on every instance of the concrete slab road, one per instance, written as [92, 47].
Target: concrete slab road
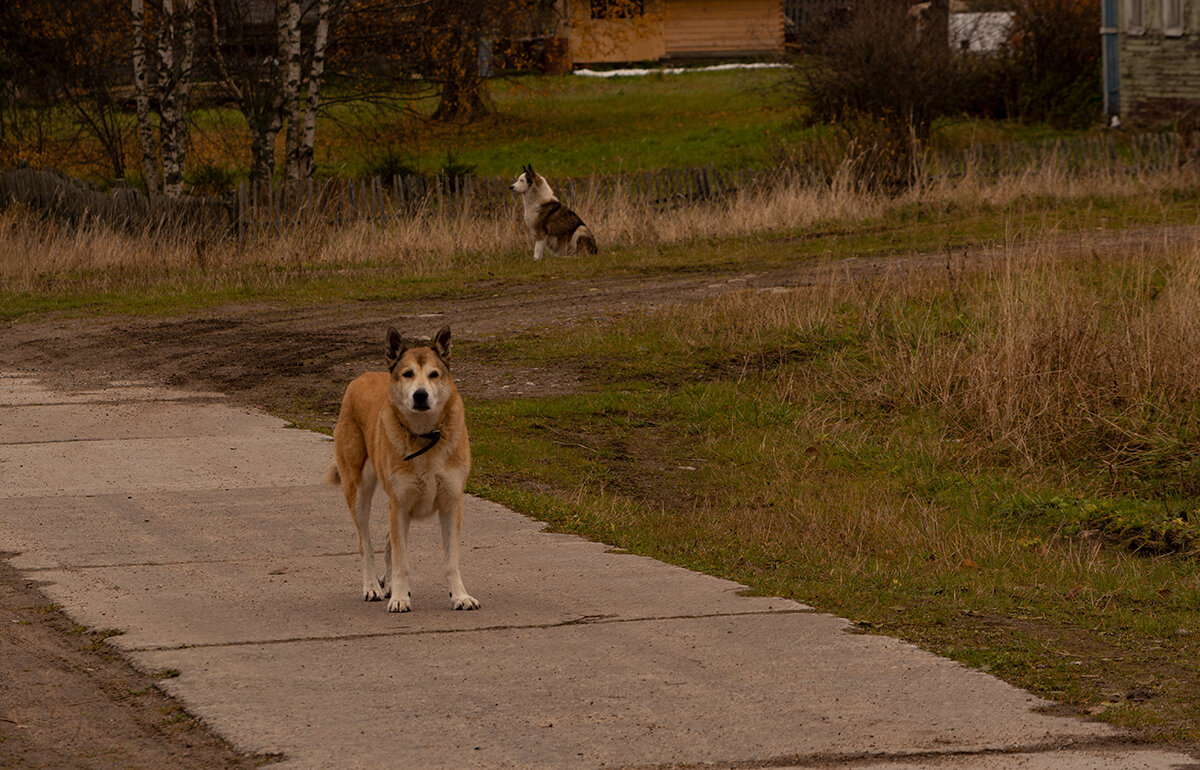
[200, 530]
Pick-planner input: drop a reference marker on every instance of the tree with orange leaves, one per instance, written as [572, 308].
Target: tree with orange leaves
[447, 46]
[68, 54]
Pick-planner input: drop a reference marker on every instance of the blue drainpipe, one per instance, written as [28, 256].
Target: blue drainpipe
[1108, 34]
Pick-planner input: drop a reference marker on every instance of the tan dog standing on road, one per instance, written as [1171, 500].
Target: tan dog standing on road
[404, 430]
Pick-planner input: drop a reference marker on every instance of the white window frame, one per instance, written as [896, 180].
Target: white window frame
[1135, 17]
[1172, 18]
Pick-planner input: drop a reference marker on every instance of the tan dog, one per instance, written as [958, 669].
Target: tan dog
[404, 430]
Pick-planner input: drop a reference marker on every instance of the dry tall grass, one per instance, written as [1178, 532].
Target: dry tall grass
[1042, 356]
[1058, 357]
[40, 256]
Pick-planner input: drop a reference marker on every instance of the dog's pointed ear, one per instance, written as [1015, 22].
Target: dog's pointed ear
[529, 170]
[394, 348]
[441, 342]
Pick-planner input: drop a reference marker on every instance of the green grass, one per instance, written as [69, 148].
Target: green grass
[564, 125]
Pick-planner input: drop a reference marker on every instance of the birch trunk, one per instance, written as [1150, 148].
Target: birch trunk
[175, 133]
[289, 54]
[316, 75]
[141, 90]
[169, 106]
[268, 109]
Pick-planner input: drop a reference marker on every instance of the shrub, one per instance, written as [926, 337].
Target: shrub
[883, 76]
[454, 172]
[1052, 66]
[211, 179]
[388, 166]
[1153, 527]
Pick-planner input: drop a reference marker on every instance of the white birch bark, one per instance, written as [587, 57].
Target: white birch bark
[316, 75]
[289, 54]
[271, 115]
[180, 83]
[141, 91]
[168, 101]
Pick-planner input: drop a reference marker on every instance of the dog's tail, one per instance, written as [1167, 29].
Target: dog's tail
[333, 476]
[583, 242]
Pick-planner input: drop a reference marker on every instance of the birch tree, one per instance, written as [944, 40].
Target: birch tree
[141, 92]
[289, 50]
[316, 75]
[163, 60]
[269, 89]
[179, 28]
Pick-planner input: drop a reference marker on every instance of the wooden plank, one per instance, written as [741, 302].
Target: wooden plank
[707, 26]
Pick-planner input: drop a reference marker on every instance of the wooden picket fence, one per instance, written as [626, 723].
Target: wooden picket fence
[73, 201]
[1144, 153]
[262, 209]
[279, 207]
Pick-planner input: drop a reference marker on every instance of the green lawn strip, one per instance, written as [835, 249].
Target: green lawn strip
[565, 125]
[576, 126]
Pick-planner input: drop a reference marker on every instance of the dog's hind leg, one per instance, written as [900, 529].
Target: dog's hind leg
[451, 520]
[359, 499]
[583, 242]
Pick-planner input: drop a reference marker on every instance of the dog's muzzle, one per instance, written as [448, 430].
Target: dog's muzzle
[420, 398]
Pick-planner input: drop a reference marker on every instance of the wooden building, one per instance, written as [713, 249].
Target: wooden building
[612, 31]
[1151, 59]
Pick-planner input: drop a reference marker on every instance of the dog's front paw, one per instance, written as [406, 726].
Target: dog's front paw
[464, 602]
[373, 593]
[402, 603]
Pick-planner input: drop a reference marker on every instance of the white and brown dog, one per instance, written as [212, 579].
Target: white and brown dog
[404, 430]
[549, 221]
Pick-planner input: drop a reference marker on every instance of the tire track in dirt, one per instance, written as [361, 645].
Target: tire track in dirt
[271, 356]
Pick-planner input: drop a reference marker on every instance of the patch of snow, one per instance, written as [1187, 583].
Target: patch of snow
[635, 72]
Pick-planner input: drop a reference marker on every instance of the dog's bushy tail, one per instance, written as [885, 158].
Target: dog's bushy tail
[585, 242]
[333, 476]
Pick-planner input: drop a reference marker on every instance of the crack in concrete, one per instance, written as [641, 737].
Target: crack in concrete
[196, 562]
[214, 399]
[583, 620]
[884, 759]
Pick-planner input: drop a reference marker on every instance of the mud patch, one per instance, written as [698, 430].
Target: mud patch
[69, 700]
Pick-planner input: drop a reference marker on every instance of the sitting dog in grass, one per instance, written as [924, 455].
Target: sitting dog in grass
[549, 221]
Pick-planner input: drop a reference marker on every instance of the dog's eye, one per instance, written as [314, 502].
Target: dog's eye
[407, 374]
[434, 374]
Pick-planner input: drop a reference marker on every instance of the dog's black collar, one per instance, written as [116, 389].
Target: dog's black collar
[434, 436]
